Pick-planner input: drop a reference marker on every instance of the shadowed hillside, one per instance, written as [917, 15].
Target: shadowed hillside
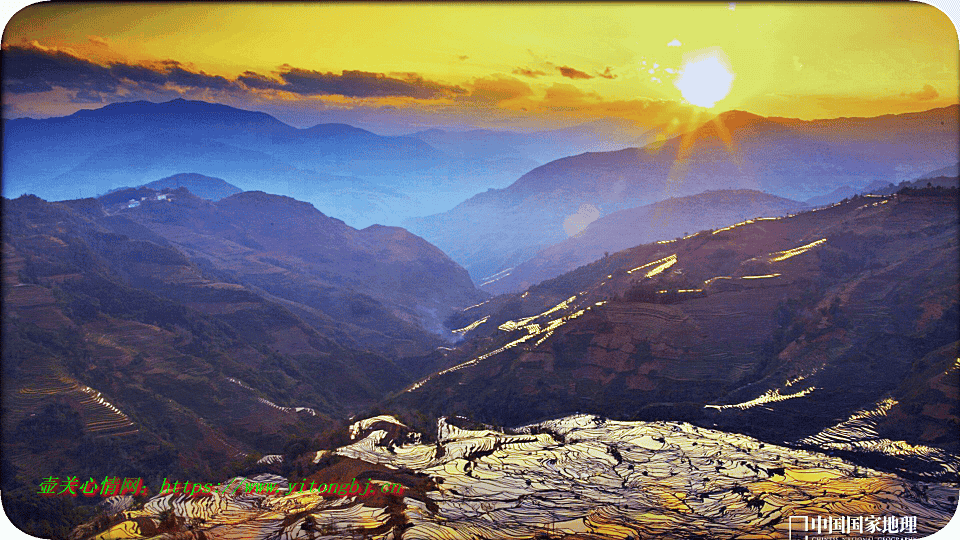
[123, 356]
[379, 287]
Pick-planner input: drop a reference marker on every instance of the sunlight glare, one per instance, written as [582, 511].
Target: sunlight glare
[705, 79]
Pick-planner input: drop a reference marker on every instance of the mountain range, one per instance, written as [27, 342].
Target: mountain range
[344, 170]
[500, 228]
[532, 149]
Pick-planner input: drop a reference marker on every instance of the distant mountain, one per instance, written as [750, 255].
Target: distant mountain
[496, 230]
[842, 192]
[535, 148]
[907, 144]
[124, 144]
[946, 177]
[39, 150]
[834, 330]
[205, 187]
[138, 118]
[939, 181]
[664, 220]
[380, 287]
[485, 145]
[948, 171]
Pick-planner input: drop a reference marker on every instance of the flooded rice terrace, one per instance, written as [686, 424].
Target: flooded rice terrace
[576, 477]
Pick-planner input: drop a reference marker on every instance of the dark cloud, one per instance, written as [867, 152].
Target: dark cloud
[86, 96]
[358, 84]
[257, 81]
[527, 72]
[36, 69]
[139, 74]
[182, 77]
[607, 73]
[571, 73]
[462, 57]
[29, 69]
[925, 94]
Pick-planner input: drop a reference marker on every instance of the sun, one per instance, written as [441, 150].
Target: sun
[705, 79]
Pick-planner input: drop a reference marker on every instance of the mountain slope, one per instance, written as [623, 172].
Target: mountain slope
[379, 287]
[948, 171]
[533, 149]
[205, 187]
[627, 228]
[783, 329]
[122, 354]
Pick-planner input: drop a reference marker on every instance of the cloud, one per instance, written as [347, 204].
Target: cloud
[142, 75]
[607, 74]
[496, 89]
[674, 43]
[40, 69]
[35, 68]
[810, 106]
[796, 63]
[563, 96]
[586, 214]
[176, 74]
[86, 96]
[43, 81]
[97, 40]
[571, 73]
[925, 94]
[31, 69]
[527, 72]
[462, 57]
[357, 84]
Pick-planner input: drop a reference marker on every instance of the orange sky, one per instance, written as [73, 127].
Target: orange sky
[488, 65]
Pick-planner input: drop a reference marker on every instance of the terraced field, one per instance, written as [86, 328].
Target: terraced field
[575, 477]
[100, 417]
